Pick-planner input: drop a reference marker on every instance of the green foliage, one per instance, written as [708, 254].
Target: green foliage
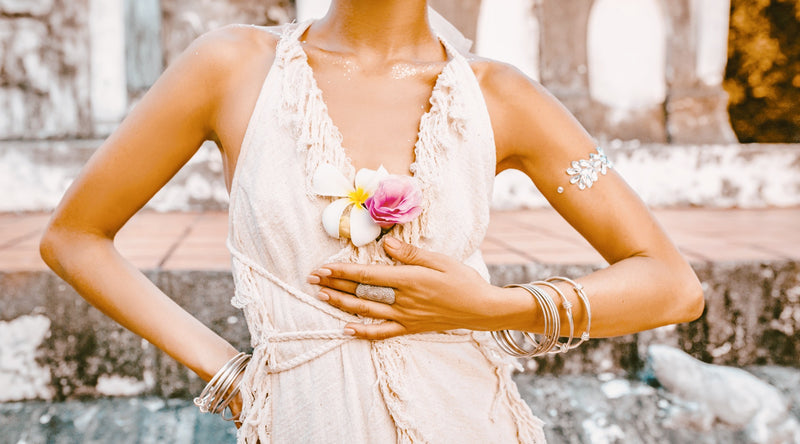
[763, 72]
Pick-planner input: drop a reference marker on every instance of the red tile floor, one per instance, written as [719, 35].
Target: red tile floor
[197, 240]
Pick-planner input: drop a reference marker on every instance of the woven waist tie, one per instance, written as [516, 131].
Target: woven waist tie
[266, 345]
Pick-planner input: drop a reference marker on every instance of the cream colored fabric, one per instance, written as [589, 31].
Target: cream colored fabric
[309, 383]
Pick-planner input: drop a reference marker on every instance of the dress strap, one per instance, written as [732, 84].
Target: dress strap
[302, 109]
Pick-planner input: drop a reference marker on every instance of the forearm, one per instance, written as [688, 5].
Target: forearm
[97, 271]
[434, 292]
[632, 295]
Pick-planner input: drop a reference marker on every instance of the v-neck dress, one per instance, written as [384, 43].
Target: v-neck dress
[308, 382]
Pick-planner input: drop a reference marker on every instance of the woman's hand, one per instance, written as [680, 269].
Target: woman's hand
[433, 292]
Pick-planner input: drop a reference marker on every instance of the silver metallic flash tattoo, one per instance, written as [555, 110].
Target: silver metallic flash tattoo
[585, 172]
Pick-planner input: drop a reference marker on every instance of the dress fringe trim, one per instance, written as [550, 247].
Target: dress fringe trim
[390, 362]
[529, 427]
[303, 108]
[304, 114]
[256, 415]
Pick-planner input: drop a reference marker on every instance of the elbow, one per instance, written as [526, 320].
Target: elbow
[63, 247]
[58, 246]
[691, 302]
[49, 247]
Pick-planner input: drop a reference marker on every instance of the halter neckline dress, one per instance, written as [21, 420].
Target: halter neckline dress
[307, 382]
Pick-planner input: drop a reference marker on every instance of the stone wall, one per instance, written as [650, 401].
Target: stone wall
[686, 175]
[41, 171]
[639, 69]
[633, 389]
[716, 176]
[53, 345]
[628, 69]
[186, 20]
[719, 176]
[583, 409]
[44, 69]
[72, 69]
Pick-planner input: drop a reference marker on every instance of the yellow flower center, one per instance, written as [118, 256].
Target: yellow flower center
[358, 196]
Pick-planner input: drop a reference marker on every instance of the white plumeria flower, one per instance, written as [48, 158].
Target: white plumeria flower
[329, 181]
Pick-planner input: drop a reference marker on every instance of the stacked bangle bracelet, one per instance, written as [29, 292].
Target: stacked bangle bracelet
[223, 387]
[578, 288]
[549, 343]
[562, 347]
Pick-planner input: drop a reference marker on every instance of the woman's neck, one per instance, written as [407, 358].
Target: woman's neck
[385, 28]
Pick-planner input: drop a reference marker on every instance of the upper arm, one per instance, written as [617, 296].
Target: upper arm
[160, 134]
[536, 134]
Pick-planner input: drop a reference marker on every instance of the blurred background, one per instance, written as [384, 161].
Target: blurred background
[652, 80]
[694, 100]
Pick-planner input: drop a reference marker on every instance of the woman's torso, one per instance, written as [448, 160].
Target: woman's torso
[291, 132]
[307, 380]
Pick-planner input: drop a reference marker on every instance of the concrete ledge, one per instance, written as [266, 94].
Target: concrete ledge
[44, 170]
[752, 318]
[687, 175]
[719, 175]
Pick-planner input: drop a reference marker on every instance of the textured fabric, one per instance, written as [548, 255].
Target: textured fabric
[307, 381]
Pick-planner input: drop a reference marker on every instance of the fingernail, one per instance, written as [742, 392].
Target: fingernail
[313, 279]
[392, 242]
[323, 272]
[349, 331]
[323, 297]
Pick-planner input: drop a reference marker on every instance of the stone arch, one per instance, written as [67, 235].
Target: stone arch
[307, 9]
[626, 45]
[711, 22]
[109, 92]
[508, 30]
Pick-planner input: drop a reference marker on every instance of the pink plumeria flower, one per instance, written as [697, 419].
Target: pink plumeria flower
[397, 200]
[329, 181]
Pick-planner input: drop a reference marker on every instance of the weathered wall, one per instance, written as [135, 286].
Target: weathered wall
[183, 21]
[70, 349]
[665, 175]
[696, 104]
[632, 389]
[638, 69]
[62, 79]
[44, 69]
[722, 176]
[72, 69]
[40, 172]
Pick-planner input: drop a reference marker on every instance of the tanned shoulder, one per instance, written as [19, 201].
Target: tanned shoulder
[230, 64]
[231, 50]
[519, 107]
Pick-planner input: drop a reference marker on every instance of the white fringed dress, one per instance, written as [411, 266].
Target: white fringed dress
[309, 383]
